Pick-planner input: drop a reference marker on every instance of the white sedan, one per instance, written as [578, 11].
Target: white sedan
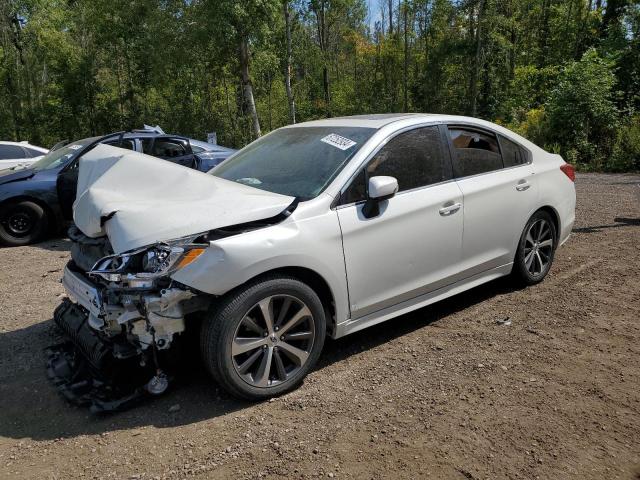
[19, 153]
[321, 228]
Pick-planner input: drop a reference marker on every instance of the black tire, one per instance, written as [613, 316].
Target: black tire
[528, 270]
[22, 223]
[226, 319]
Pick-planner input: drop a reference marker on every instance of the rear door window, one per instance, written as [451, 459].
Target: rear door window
[512, 153]
[474, 152]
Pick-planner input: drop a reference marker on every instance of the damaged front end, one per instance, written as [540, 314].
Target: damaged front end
[123, 322]
[126, 320]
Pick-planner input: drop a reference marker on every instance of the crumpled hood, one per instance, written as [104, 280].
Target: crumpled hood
[8, 175]
[137, 200]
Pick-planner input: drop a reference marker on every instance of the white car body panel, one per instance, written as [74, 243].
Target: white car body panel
[495, 213]
[22, 162]
[405, 251]
[407, 257]
[150, 201]
[556, 191]
[310, 238]
[354, 325]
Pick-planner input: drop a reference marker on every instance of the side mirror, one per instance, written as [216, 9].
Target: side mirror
[380, 188]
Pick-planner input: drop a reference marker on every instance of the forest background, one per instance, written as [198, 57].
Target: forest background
[563, 73]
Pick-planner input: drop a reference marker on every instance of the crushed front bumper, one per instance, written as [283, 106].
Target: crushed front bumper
[118, 342]
[90, 371]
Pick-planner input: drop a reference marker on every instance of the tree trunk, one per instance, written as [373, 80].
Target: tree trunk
[406, 59]
[287, 72]
[247, 88]
[270, 85]
[543, 35]
[323, 38]
[230, 114]
[326, 87]
[390, 17]
[612, 13]
[476, 60]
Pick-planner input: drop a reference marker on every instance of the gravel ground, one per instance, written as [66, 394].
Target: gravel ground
[444, 392]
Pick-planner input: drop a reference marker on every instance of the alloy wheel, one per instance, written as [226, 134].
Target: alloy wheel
[538, 247]
[273, 341]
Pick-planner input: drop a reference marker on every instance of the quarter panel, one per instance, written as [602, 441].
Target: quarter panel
[556, 191]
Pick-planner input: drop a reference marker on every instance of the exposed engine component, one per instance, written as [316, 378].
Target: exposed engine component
[121, 321]
[90, 371]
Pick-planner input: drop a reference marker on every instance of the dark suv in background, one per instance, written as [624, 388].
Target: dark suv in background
[38, 198]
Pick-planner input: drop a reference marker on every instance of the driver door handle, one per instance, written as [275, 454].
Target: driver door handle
[450, 209]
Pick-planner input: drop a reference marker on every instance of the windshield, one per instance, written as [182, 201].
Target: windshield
[60, 157]
[299, 161]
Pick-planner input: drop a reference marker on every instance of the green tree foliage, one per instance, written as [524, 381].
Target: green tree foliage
[582, 117]
[564, 73]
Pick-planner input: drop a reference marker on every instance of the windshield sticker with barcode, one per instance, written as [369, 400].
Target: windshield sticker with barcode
[337, 141]
[75, 147]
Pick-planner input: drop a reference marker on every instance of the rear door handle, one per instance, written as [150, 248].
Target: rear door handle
[450, 209]
[522, 185]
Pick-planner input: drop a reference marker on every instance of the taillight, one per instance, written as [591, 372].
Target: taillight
[569, 171]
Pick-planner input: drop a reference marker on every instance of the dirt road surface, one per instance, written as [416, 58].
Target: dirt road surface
[445, 392]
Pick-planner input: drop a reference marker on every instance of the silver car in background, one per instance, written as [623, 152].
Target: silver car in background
[13, 154]
[321, 228]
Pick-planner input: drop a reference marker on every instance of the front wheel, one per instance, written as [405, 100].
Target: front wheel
[263, 339]
[22, 223]
[536, 249]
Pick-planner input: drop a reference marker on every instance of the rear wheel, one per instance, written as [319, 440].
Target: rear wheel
[536, 249]
[264, 338]
[22, 223]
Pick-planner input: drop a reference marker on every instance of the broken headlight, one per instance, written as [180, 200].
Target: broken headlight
[160, 258]
[150, 262]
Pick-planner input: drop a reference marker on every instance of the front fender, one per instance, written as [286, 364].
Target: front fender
[314, 243]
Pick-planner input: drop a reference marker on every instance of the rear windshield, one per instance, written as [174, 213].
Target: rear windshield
[298, 161]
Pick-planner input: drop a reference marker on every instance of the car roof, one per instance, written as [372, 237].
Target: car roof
[380, 120]
[377, 120]
[143, 134]
[150, 134]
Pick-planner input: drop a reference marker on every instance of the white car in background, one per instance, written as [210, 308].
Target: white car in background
[19, 153]
[320, 228]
